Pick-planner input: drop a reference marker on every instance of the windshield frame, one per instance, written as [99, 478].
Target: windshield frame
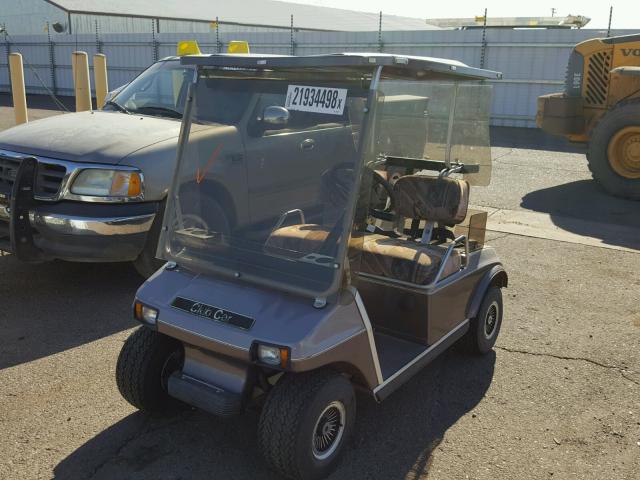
[347, 221]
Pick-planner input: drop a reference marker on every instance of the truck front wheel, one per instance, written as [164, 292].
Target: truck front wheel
[614, 151]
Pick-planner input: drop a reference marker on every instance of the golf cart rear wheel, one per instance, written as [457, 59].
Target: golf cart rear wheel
[305, 423]
[146, 361]
[485, 327]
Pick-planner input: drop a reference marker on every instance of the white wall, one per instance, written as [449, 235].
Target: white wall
[533, 61]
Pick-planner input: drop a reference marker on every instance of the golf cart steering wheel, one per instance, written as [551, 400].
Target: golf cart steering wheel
[386, 212]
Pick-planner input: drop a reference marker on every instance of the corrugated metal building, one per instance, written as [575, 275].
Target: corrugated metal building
[193, 16]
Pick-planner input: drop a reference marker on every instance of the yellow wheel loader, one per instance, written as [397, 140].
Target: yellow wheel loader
[600, 107]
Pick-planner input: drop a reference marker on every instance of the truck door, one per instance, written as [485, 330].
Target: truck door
[285, 166]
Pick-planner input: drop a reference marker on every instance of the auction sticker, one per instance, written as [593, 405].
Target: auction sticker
[316, 99]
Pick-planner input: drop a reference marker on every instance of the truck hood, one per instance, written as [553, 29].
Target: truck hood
[92, 137]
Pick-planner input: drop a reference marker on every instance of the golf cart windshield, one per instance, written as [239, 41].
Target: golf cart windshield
[277, 180]
[262, 150]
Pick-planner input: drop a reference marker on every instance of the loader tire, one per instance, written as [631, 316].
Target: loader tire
[614, 151]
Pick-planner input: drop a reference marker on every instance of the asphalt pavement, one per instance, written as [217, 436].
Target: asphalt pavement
[558, 399]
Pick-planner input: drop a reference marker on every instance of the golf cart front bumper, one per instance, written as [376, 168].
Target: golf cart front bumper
[204, 396]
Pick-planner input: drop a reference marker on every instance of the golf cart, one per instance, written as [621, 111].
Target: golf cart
[318, 242]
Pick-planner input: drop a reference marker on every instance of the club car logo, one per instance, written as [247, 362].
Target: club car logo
[214, 313]
[206, 311]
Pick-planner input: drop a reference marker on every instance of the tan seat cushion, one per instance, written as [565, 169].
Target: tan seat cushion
[405, 260]
[394, 258]
[434, 199]
[303, 238]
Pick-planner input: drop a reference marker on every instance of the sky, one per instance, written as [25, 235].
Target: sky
[626, 13]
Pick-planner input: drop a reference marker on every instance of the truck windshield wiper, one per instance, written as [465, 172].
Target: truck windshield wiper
[117, 106]
[169, 112]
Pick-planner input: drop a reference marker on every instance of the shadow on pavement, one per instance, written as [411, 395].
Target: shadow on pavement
[585, 200]
[44, 102]
[391, 439]
[51, 307]
[531, 139]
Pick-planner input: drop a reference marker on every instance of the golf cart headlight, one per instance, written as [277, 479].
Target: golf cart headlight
[97, 182]
[276, 356]
[145, 313]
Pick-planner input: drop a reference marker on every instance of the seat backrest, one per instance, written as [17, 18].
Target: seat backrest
[436, 199]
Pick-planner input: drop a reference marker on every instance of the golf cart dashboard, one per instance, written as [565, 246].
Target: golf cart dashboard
[417, 164]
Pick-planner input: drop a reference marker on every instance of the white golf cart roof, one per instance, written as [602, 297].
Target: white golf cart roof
[409, 63]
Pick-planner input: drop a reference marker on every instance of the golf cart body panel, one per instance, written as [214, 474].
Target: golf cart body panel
[332, 335]
[326, 225]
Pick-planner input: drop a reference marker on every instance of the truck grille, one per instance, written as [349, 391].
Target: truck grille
[49, 177]
[8, 170]
[597, 86]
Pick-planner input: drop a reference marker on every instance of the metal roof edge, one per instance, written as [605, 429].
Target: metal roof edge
[408, 62]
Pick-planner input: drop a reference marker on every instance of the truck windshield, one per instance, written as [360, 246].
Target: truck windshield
[158, 91]
[267, 172]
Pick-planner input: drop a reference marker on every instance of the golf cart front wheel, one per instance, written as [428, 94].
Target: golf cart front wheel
[485, 326]
[145, 363]
[305, 423]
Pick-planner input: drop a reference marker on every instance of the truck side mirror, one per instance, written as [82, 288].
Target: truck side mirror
[275, 117]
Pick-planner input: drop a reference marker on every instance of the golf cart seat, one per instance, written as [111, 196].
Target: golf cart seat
[443, 200]
[439, 200]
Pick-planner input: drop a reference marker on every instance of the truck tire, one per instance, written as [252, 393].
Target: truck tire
[614, 151]
[485, 326]
[146, 361]
[146, 264]
[213, 216]
[305, 423]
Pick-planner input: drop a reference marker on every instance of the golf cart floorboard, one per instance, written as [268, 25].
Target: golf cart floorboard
[395, 353]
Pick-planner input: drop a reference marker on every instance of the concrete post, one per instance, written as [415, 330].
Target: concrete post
[80, 69]
[17, 88]
[100, 78]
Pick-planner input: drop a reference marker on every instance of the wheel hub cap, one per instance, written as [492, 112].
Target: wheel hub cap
[491, 320]
[624, 152]
[328, 430]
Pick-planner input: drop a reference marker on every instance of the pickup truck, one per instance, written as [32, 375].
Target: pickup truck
[100, 177]
[91, 186]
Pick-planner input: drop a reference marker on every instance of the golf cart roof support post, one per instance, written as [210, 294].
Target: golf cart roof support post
[185, 128]
[452, 114]
[361, 152]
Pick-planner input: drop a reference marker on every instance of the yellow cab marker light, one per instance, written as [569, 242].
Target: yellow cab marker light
[238, 46]
[188, 47]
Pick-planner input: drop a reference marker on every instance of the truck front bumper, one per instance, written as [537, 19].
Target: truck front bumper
[84, 232]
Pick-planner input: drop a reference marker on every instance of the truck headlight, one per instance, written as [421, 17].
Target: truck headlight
[98, 182]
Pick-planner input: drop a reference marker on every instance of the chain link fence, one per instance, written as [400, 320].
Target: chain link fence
[533, 61]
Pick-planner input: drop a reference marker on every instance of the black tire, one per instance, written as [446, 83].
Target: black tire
[203, 211]
[484, 328]
[291, 414]
[146, 264]
[626, 114]
[145, 363]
